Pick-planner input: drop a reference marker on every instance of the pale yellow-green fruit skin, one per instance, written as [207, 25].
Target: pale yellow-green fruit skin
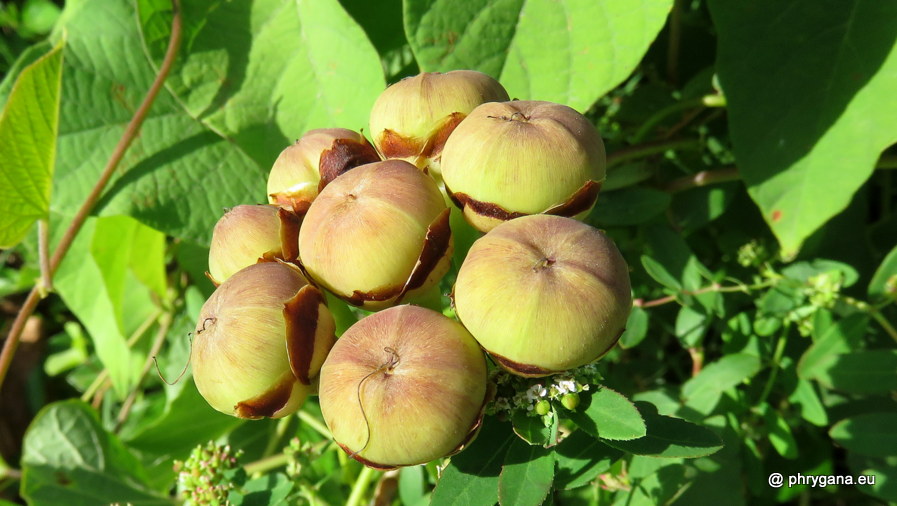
[240, 358]
[241, 237]
[366, 231]
[524, 156]
[543, 294]
[295, 177]
[422, 408]
[412, 118]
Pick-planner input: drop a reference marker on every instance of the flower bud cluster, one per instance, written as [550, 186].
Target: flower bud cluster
[205, 477]
[516, 394]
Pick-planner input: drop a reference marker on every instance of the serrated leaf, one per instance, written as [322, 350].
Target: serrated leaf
[870, 434]
[472, 476]
[703, 392]
[799, 117]
[568, 52]
[28, 128]
[533, 430]
[69, 458]
[609, 415]
[526, 475]
[581, 458]
[669, 437]
[268, 489]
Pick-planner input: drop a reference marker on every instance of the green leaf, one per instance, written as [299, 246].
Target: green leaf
[690, 326]
[659, 273]
[839, 338]
[262, 491]
[567, 52]
[472, 476]
[69, 459]
[803, 271]
[870, 434]
[526, 476]
[581, 458]
[629, 206]
[609, 415]
[252, 77]
[811, 408]
[533, 430]
[669, 437]
[799, 117]
[636, 328]
[703, 392]
[885, 271]
[97, 285]
[861, 372]
[779, 433]
[411, 486]
[697, 207]
[28, 128]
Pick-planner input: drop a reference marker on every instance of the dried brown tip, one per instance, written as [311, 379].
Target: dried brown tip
[366, 462]
[478, 423]
[289, 234]
[436, 243]
[395, 145]
[582, 200]
[525, 370]
[268, 403]
[213, 280]
[344, 155]
[301, 314]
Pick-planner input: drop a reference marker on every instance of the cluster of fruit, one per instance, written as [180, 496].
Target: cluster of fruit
[540, 292]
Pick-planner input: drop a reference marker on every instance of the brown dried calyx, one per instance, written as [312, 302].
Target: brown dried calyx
[320, 156]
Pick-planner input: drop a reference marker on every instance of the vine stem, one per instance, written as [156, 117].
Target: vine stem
[776, 360]
[716, 287]
[314, 423]
[703, 178]
[130, 133]
[266, 464]
[356, 498]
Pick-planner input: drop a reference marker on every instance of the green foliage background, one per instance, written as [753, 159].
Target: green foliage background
[750, 187]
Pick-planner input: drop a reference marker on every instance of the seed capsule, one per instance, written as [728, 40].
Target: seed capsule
[402, 387]
[513, 159]
[376, 234]
[260, 342]
[412, 119]
[305, 168]
[543, 294]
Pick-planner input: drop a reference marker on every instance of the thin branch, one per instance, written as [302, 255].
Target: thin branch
[716, 287]
[130, 133]
[43, 250]
[703, 178]
[649, 148]
[164, 327]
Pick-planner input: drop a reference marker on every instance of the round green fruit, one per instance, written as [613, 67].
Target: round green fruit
[512, 159]
[260, 342]
[412, 119]
[402, 387]
[376, 234]
[543, 294]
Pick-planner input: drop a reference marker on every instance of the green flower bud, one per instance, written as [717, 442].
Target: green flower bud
[260, 341]
[376, 234]
[543, 407]
[305, 168]
[543, 294]
[512, 159]
[403, 387]
[412, 119]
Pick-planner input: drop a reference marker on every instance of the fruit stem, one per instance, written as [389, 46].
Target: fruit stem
[356, 498]
[130, 133]
[649, 148]
[266, 464]
[314, 423]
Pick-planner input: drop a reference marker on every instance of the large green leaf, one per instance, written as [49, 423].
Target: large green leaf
[472, 477]
[252, 76]
[807, 123]
[28, 126]
[862, 372]
[69, 459]
[581, 458]
[569, 51]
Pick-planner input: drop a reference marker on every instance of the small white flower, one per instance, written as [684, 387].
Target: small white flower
[535, 392]
[566, 386]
